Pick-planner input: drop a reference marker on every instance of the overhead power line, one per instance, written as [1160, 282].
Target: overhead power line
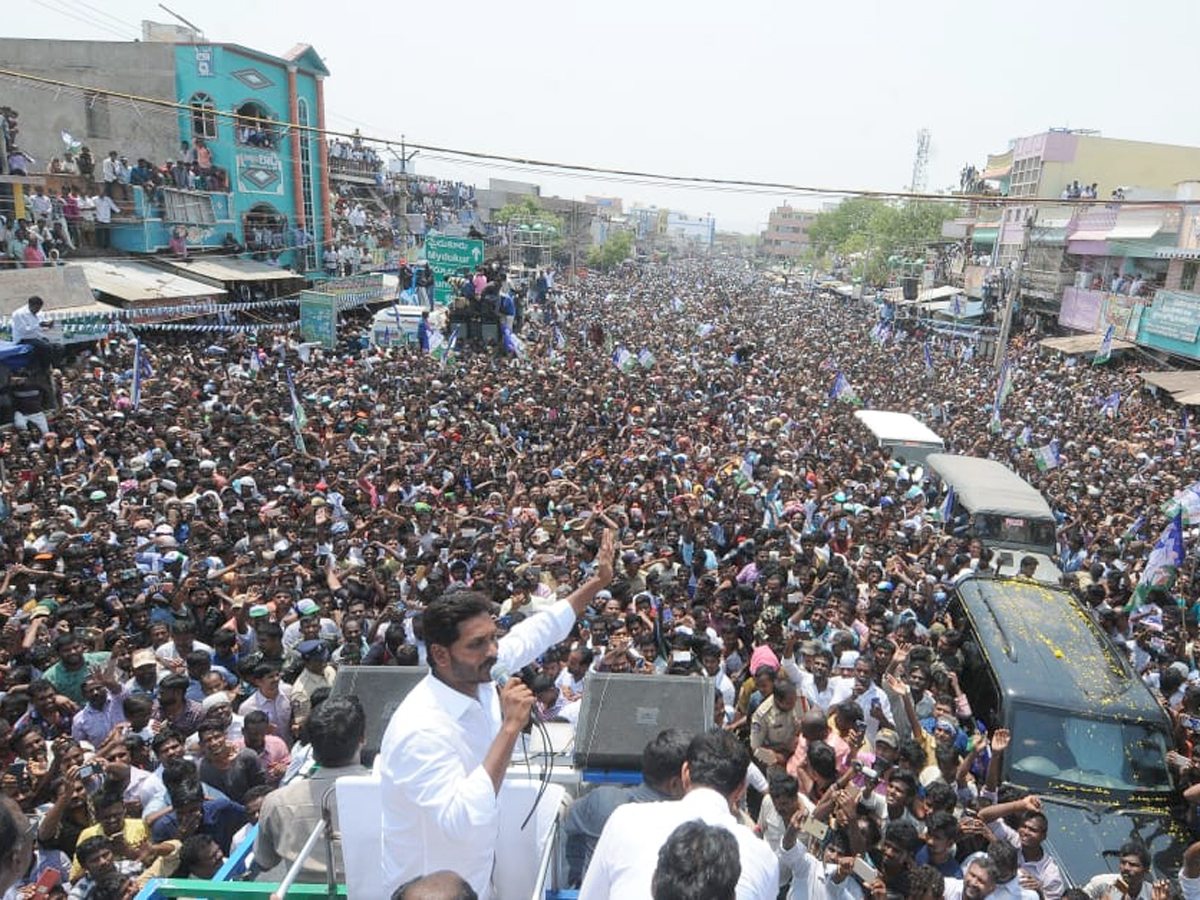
[600, 172]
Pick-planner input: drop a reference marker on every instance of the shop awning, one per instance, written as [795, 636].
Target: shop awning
[1081, 344]
[1136, 224]
[137, 282]
[1094, 234]
[63, 289]
[1050, 236]
[1185, 383]
[231, 270]
[985, 235]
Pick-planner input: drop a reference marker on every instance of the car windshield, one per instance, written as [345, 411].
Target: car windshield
[1009, 530]
[1051, 750]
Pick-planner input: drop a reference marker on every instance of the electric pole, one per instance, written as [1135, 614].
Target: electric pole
[1009, 301]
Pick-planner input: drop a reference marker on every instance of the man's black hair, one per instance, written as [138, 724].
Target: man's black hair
[663, 757]
[1138, 849]
[444, 615]
[1004, 857]
[335, 730]
[719, 761]
[89, 847]
[903, 836]
[698, 862]
[926, 881]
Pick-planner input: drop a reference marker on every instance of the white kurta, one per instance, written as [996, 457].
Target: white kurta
[440, 809]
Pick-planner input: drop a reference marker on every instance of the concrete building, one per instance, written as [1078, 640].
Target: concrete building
[1080, 237]
[257, 113]
[687, 232]
[786, 234]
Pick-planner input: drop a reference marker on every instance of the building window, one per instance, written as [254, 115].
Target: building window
[98, 122]
[1187, 280]
[265, 230]
[204, 117]
[254, 127]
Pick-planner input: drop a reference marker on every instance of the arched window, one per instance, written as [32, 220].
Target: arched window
[204, 117]
[253, 126]
[265, 230]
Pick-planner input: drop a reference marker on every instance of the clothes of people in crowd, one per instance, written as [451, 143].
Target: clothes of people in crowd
[288, 816]
[627, 853]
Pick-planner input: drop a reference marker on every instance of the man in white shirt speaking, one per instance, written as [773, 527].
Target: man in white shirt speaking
[714, 777]
[449, 743]
[27, 328]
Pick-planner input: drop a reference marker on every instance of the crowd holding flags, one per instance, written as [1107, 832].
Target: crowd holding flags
[1104, 354]
[1047, 457]
[299, 416]
[1163, 563]
[1110, 405]
[1185, 503]
[928, 357]
[842, 390]
[137, 373]
[1003, 389]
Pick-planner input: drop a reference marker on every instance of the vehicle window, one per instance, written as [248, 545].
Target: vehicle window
[1074, 751]
[976, 678]
[1014, 530]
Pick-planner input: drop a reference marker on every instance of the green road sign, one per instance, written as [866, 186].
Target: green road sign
[448, 256]
[318, 318]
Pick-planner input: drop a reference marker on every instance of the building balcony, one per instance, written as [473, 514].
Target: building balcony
[360, 171]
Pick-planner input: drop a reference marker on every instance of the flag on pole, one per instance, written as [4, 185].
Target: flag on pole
[1024, 437]
[513, 344]
[560, 339]
[1134, 527]
[1104, 354]
[1047, 457]
[842, 390]
[622, 358]
[928, 357]
[1185, 503]
[705, 330]
[1110, 405]
[645, 358]
[957, 308]
[947, 509]
[1163, 563]
[446, 348]
[137, 373]
[299, 416]
[1003, 389]
[255, 363]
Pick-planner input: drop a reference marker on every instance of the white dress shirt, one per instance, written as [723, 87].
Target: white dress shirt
[440, 809]
[25, 324]
[627, 853]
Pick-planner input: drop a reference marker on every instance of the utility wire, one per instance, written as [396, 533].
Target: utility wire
[655, 178]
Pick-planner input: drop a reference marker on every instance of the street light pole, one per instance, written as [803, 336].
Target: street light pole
[1010, 300]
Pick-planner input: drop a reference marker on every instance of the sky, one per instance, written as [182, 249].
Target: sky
[823, 94]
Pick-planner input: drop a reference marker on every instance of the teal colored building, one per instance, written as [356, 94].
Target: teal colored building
[262, 117]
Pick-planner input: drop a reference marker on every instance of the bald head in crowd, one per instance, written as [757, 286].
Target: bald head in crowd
[442, 885]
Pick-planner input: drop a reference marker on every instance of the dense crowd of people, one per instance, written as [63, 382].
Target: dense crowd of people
[183, 577]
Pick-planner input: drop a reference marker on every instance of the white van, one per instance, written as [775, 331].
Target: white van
[905, 437]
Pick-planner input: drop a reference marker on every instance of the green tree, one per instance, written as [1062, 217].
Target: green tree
[529, 210]
[616, 248]
[869, 232]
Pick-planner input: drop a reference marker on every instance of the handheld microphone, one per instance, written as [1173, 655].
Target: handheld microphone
[500, 674]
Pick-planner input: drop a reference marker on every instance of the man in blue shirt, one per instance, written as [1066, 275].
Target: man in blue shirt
[423, 332]
[191, 814]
